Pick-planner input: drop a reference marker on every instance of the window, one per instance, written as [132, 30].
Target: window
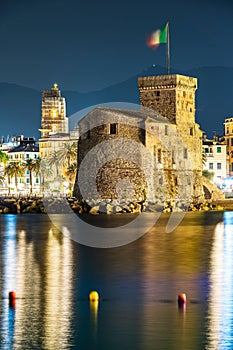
[27, 172]
[159, 156]
[191, 131]
[27, 156]
[185, 153]
[188, 180]
[231, 142]
[219, 166]
[27, 181]
[113, 129]
[157, 93]
[231, 166]
[211, 166]
[211, 150]
[227, 130]
[154, 151]
[173, 157]
[219, 149]
[37, 180]
[166, 130]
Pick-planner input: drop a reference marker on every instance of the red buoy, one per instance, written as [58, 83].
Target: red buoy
[182, 298]
[12, 296]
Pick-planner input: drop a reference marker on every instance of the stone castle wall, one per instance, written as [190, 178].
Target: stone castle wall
[114, 176]
[173, 96]
[174, 145]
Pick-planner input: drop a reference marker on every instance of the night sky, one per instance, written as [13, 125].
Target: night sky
[88, 45]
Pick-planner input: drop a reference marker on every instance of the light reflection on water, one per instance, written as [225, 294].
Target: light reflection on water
[220, 315]
[138, 283]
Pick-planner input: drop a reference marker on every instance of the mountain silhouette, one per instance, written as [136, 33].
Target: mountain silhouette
[20, 107]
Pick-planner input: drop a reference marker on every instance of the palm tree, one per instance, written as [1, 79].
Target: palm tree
[55, 159]
[33, 166]
[70, 173]
[2, 179]
[68, 153]
[14, 169]
[8, 173]
[4, 158]
[45, 172]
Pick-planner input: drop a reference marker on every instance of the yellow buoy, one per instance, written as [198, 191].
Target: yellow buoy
[94, 296]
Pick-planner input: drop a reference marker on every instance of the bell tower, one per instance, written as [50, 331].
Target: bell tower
[53, 117]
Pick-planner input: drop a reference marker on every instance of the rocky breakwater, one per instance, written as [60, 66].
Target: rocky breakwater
[21, 205]
[65, 205]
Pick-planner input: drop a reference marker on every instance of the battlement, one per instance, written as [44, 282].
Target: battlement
[166, 82]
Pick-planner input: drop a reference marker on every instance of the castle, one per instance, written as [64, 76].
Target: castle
[152, 154]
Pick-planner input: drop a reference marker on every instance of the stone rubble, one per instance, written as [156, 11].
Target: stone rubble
[68, 205]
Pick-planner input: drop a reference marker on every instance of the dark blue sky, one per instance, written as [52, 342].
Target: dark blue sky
[87, 45]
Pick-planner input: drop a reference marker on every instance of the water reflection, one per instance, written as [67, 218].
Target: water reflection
[58, 291]
[8, 280]
[36, 262]
[94, 306]
[138, 284]
[220, 317]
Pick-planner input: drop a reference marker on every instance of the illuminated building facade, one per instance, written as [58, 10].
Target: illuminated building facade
[215, 161]
[53, 118]
[229, 142]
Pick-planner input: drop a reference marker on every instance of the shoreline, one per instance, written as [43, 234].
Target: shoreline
[40, 205]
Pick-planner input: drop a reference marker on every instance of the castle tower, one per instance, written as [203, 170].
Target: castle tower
[53, 119]
[173, 96]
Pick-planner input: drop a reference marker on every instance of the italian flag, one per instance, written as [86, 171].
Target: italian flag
[158, 37]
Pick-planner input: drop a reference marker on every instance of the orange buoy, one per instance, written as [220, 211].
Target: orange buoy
[182, 298]
[94, 296]
[12, 295]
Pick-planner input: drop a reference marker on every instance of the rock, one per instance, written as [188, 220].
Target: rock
[109, 209]
[127, 209]
[117, 209]
[94, 210]
[137, 209]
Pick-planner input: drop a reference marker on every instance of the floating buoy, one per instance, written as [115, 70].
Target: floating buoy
[94, 296]
[12, 299]
[12, 296]
[182, 298]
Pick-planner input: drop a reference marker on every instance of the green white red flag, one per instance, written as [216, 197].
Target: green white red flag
[158, 37]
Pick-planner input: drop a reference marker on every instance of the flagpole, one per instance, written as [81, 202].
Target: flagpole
[168, 49]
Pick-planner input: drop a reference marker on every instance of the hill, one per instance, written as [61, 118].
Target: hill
[20, 107]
